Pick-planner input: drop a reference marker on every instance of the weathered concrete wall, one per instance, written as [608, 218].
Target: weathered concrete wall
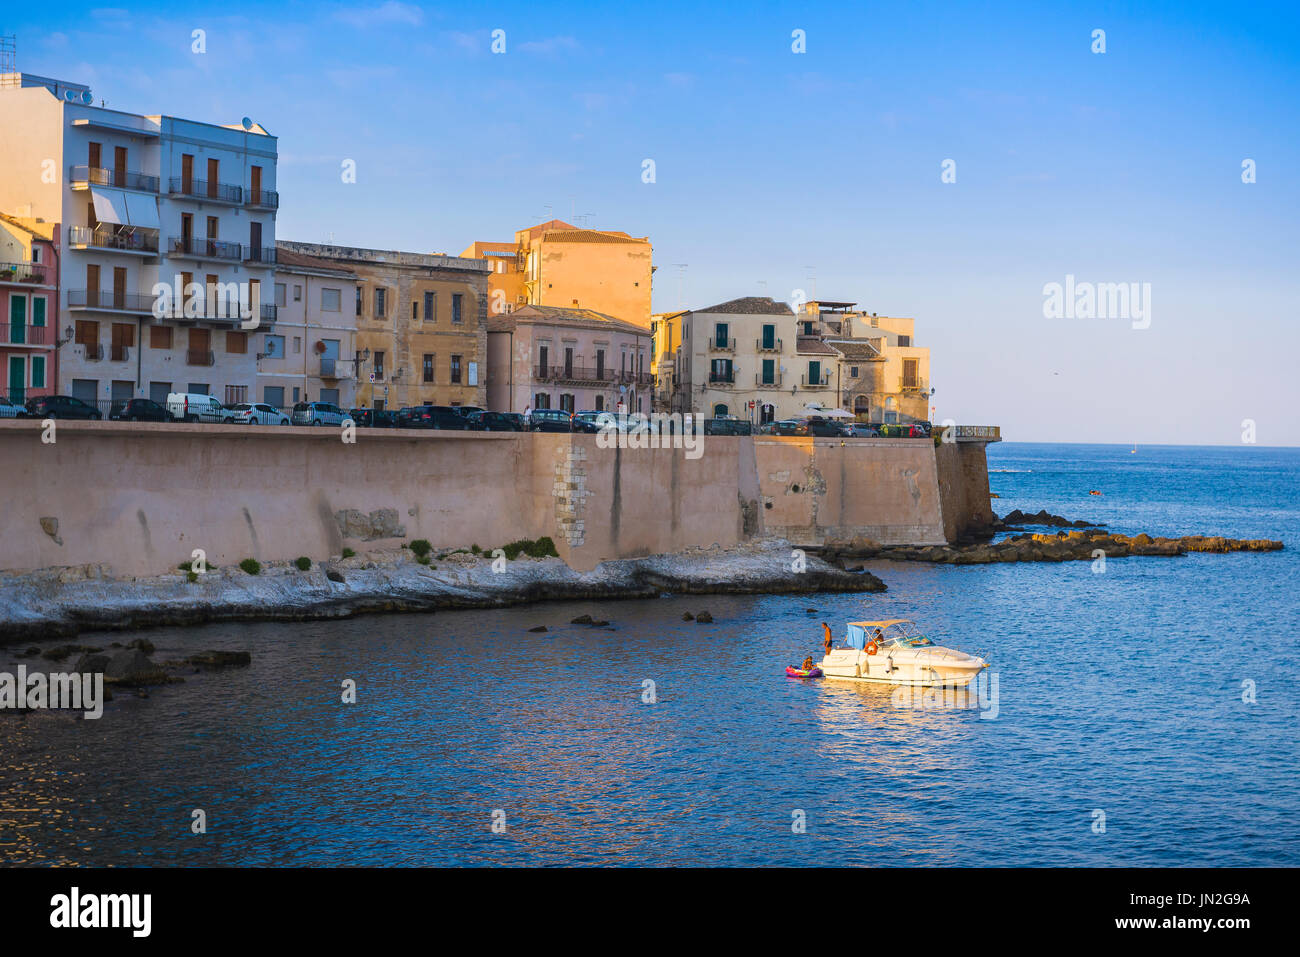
[964, 488]
[816, 491]
[142, 497]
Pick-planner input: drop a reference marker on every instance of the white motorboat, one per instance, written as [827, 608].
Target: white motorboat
[896, 652]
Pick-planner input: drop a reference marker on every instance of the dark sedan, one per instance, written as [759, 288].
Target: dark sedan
[438, 417]
[373, 418]
[138, 410]
[494, 422]
[61, 407]
[550, 420]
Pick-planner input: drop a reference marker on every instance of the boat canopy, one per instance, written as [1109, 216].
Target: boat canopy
[890, 632]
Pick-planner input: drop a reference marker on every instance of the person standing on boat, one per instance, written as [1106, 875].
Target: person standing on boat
[827, 629]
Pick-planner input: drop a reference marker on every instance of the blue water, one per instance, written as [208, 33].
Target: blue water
[1118, 694]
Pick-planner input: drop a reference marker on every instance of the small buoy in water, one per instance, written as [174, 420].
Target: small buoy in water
[1093, 491]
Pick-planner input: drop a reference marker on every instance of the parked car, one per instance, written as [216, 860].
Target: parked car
[913, 430]
[137, 410]
[494, 422]
[825, 428]
[516, 418]
[374, 418]
[61, 407]
[862, 430]
[790, 427]
[727, 426]
[317, 413]
[257, 413]
[402, 418]
[550, 420]
[12, 410]
[438, 417]
[592, 422]
[468, 410]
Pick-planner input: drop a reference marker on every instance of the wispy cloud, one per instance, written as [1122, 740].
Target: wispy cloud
[550, 46]
[386, 14]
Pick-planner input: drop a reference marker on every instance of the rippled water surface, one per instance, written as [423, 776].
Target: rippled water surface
[1118, 693]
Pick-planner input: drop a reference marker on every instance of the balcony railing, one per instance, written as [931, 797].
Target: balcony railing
[119, 353]
[817, 382]
[327, 368]
[774, 382]
[34, 273]
[772, 346]
[128, 239]
[572, 372]
[109, 300]
[202, 189]
[915, 386]
[722, 378]
[721, 345]
[199, 357]
[262, 199]
[23, 334]
[119, 178]
[260, 254]
[269, 314]
[206, 249]
[92, 351]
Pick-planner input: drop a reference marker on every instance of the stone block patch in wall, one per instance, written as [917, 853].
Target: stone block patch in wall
[381, 523]
[570, 493]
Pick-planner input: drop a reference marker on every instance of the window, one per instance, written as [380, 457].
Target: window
[273, 347]
[236, 393]
[297, 292]
[297, 394]
[456, 299]
[600, 363]
[542, 355]
[381, 302]
[87, 333]
[720, 335]
[769, 372]
[566, 402]
[807, 328]
[542, 400]
[853, 372]
[814, 372]
[279, 294]
[379, 366]
[909, 374]
[297, 345]
[600, 403]
[769, 336]
[331, 300]
[160, 337]
[237, 344]
[904, 341]
[36, 254]
[430, 305]
[415, 311]
[428, 367]
[273, 395]
[358, 300]
[455, 369]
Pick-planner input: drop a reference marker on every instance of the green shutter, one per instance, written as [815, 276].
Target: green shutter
[38, 369]
[17, 319]
[38, 311]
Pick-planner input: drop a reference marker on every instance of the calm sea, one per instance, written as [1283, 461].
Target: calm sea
[1146, 714]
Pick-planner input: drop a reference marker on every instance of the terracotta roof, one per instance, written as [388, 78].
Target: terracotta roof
[854, 349]
[812, 345]
[41, 230]
[587, 236]
[751, 305]
[576, 315]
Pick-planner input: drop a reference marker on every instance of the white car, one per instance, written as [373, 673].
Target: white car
[257, 413]
[11, 410]
[196, 407]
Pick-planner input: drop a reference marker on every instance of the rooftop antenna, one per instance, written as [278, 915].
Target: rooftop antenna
[812, 280]
[8, 53]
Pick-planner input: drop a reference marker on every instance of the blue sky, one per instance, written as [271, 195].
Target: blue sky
[819, 171]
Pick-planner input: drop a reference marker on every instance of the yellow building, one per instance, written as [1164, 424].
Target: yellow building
[558, 264]
[421, 325]
[881, 375]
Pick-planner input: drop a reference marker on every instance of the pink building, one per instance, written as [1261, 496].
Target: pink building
[578, 360]
[29, 307]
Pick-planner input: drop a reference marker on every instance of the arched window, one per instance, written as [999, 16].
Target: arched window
[861, 407]
[719, 410]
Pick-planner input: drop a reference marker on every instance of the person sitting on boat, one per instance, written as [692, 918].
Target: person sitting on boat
[827, 629]
[808, 664]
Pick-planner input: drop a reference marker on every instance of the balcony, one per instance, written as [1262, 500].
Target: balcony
[119, 353]
[23, 334]
[30, 274]
[92, 351]
[262, 199]
[771, 345]
[820, 382]
[570, 372]
[914, 387]
[125, 239]
[722, 378]
[204, 190]
[331, 368]
[83, 177]
[260, 254]
[269, 315]
[717, 344]
[199, 357]
[772, 382]
[206, 249]
[110, 301]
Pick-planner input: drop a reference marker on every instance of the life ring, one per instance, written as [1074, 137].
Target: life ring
[872, 647]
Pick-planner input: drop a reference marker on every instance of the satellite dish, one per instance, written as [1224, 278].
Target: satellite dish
[87, 98]
[246, 123]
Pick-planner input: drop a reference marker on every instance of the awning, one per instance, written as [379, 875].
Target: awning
[110, 206]
[143, 211]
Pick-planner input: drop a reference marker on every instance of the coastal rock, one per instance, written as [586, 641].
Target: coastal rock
[704, 618]
[687, 616]
[539, 628]
[132, 667]
[1016, 518]
[221, 659]
[581, 620]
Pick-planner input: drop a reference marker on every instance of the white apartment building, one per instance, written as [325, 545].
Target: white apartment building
[310, 353]
[142, 200]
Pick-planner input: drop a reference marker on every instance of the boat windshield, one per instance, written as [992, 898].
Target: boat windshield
[904, 635]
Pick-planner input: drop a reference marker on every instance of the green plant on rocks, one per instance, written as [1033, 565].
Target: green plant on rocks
[421, 547]
[251, 565]
[303, 563]
[348, 553]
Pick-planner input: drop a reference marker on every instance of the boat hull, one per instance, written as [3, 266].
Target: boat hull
[923, 668]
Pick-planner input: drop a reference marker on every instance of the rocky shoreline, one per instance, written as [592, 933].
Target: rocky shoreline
[63, 602]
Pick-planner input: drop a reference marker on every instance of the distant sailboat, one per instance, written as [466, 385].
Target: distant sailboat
[1133, 451]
